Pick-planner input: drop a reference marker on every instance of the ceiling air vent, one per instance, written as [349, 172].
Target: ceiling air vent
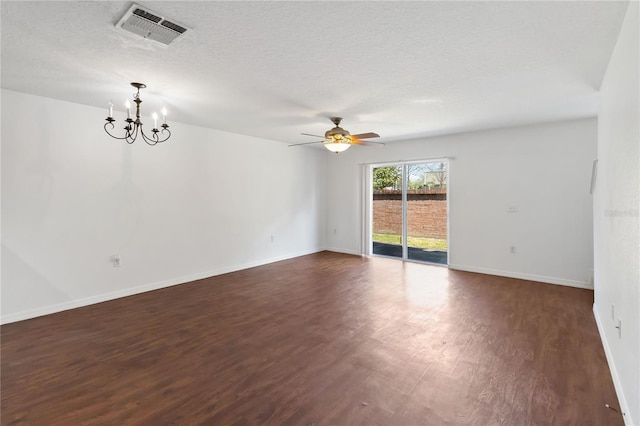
[150, 25]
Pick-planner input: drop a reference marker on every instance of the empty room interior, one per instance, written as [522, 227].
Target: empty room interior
[320, 213]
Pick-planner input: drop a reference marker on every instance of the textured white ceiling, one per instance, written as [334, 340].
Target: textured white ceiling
[276, 69]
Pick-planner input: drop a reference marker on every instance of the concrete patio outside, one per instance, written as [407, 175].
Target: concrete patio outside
[419, 254]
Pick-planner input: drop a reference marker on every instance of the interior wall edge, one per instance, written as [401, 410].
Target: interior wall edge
[624, 408]
[131, 291]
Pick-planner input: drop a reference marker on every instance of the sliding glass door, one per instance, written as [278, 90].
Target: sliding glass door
[387, 214]
[409, 211]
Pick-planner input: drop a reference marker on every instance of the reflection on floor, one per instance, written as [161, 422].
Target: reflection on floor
[422, 255]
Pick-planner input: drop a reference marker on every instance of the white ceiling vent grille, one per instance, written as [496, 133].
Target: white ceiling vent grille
[151, 25]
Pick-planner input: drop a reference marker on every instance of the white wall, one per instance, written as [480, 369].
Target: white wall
[616, 217]
[543, 170]
[203, 203]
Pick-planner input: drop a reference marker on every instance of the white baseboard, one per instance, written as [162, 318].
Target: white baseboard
[77, 303]
[521, 276]
[345, 251]
[104, 297]
[624, 408]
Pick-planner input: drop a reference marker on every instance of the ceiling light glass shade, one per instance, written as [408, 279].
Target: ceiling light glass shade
[336, 146]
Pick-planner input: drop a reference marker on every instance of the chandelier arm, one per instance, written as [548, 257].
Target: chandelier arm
[155, 138]
[150, 141]
[132, 136]
[125, 138]
[165, 129]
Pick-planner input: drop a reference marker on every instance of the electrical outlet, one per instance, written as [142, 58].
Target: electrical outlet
[513, 209]
[512, 249]
[115, 260]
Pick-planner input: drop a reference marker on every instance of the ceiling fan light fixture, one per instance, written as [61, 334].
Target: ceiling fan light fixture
[336, 146]
[338, 139]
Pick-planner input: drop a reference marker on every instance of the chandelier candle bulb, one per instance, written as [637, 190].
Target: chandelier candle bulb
[155, 120]
[110, 109]
[164, 116]
[128, 105]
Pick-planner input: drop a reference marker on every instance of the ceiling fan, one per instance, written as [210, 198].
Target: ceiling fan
[338, 139]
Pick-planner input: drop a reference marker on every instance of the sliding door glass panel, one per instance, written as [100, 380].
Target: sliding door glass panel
[426, 212]
[387, 223]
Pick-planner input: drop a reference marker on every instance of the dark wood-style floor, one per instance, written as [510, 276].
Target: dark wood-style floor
[325, 339]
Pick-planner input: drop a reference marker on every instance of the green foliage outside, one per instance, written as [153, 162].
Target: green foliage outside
[387, 177]
[415, 184]
[418, 242]
[419, 176]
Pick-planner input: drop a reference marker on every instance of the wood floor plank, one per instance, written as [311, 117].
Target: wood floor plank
[324, 339]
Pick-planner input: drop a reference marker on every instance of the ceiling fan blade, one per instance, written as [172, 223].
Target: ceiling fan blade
[306, 143]
[309, 134]
[365, 143]
[366, 135]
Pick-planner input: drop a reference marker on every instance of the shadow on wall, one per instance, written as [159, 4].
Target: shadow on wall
[28, 287]
[42, 170]
[126, 195]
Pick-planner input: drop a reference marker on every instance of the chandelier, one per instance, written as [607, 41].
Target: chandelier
[133, 127]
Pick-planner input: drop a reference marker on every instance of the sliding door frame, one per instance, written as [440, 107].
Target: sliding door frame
[367, 205]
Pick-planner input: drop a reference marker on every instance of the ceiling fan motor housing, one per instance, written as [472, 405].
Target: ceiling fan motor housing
[337, 134]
